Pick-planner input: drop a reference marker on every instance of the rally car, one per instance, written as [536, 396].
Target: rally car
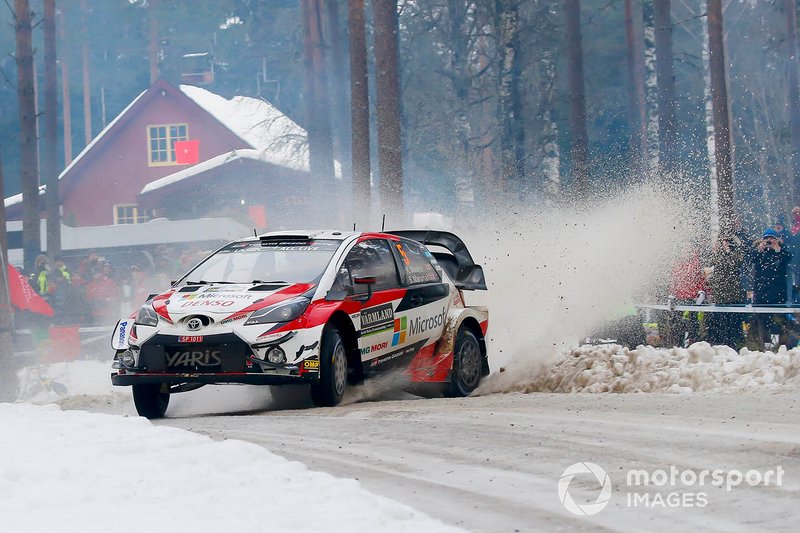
[323, 308]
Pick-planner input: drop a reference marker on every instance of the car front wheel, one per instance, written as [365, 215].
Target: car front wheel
[332, 370]
[467, 365]
[151, 399]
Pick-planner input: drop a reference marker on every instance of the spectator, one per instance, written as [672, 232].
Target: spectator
[795, 229]
[39, 277]
[62, 269]
[688, 281]
[88, 266]
[770, 271]
[726, 288]
[103, 296]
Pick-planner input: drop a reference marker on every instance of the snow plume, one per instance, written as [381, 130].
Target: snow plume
[556, 273]
[701, 367]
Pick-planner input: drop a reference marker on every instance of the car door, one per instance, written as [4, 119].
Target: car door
[376, 319]
[425, 304]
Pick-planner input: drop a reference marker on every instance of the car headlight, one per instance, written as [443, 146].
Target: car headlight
[282, 312]
[147, 316]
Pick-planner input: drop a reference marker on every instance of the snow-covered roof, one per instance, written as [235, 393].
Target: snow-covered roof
[17, 198]
[257, 122]
[208, 164]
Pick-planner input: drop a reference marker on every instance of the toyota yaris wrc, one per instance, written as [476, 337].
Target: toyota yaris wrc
[323, 308]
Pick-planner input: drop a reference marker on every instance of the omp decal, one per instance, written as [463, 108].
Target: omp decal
[406, 351]
[377, 319]
[311, 364]
[284, 294]
[400, 330]
[421, 325]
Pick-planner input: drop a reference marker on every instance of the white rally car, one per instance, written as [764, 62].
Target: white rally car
[324, 308]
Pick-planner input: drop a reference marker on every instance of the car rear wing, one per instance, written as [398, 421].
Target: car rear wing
[457, 263]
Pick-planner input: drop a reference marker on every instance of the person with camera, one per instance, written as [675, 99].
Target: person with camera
[770, 271]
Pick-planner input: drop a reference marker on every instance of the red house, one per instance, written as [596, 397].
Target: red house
[102, 185]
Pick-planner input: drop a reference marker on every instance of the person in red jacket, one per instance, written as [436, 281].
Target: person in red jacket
[688, 283]
[103, 295]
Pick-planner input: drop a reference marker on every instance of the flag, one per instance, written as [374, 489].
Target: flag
[23, 296]
[187, 152]
[258, 215]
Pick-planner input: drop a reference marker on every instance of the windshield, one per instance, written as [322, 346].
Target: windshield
[275, 261]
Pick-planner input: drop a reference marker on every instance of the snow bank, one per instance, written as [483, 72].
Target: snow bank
[76, 471]
[701, 367]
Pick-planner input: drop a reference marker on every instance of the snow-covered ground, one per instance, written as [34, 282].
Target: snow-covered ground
[488, 463]
[88, 472]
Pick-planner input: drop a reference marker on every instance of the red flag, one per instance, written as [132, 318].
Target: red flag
[258, 215]
[187, 152]
[23, 295]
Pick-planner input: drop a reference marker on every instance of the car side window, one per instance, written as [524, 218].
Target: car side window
[417, 263]
[371, 258]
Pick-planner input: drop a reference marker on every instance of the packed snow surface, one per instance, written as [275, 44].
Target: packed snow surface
[75, 471]
[701, 367]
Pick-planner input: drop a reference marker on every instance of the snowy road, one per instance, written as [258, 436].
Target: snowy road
[492, 463]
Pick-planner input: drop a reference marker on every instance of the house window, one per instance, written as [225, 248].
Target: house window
[131, 214]
[161, 142]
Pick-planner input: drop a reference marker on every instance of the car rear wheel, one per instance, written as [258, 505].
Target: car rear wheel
[151, 399]
[332, 370]
[467, 365]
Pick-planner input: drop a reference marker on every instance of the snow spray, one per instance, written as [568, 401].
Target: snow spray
[557, 273]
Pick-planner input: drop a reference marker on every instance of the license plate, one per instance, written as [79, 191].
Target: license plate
[191, 339]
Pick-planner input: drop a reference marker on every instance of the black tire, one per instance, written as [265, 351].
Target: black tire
[467, 365]
[332, 370]
[151, 399]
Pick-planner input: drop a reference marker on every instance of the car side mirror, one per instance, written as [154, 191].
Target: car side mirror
[369, 281]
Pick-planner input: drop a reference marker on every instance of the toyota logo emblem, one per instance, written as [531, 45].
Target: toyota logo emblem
[193, 324]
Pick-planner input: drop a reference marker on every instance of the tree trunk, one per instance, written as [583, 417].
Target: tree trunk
[719, 96]
[359, 111]
[50, 160]
[29, 173]
[512, 160]
[577, 98]
[152, 15]
[387, 73]
[637, 107]
[338, 86]
[8, 379]
[793, 98]
[651, 88]
[87, 89]
[320, 143]
[66, 103]
[667, 128]
[710, 147]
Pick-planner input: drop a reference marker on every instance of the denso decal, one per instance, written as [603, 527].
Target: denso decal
[421, 325]
[192, 358]
[208, 303]
[377, 319]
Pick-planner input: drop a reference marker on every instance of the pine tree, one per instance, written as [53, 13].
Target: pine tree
[577, 98]
[50, 156]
